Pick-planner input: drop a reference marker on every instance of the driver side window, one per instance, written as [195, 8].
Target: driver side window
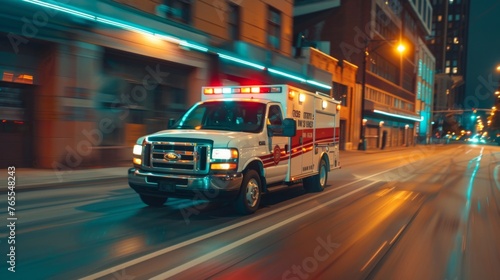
[274, 116]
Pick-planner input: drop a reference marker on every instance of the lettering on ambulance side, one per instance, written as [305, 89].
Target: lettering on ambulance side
[307, 121]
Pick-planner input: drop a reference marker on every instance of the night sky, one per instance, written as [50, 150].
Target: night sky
[483, 54]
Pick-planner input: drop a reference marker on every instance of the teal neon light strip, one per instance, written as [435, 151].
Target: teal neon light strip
[169, 39]
[62, 9]
[124, 26]
[286, 75]
[193, 46]
[254, 65]
[319, 84]
[398, 116]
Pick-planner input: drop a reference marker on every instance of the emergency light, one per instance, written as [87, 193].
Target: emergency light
[240, 89]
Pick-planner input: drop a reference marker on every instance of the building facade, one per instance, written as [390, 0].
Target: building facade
[365, 33]
[82, 80]
[448, 43]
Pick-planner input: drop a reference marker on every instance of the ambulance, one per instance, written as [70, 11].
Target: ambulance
[238, 143]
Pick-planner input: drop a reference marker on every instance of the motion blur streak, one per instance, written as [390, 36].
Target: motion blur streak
[456, 256]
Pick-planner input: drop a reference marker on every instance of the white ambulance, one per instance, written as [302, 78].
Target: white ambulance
[238, 143]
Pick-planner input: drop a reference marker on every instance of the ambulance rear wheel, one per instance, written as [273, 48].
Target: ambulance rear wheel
[249, 197]
[317, 182]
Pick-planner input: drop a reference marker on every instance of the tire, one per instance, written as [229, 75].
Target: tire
[248, 199]
[317, 182]
[153, 201]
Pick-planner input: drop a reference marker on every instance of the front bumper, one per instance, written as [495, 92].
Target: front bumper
[210, 187]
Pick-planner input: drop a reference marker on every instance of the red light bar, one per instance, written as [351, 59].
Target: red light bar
[245, 89]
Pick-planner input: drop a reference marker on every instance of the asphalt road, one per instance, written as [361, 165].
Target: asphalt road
[429, 212]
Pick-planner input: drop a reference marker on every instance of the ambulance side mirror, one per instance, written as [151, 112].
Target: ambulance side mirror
[171, 122]
[288, 128]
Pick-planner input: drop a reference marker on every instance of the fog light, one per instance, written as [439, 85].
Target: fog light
[223, 166]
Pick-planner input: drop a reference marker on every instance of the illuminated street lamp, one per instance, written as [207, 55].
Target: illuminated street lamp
[400, 48]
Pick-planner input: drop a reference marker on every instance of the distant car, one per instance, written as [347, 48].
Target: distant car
[477, 140]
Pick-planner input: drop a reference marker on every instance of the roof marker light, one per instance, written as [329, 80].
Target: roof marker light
[302, 97]
[255, 90]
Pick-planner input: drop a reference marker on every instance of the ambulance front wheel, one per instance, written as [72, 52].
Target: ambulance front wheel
[153, 201]
[248, 199]
[317, 182]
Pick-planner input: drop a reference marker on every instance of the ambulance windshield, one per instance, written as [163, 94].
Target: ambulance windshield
[243, 116]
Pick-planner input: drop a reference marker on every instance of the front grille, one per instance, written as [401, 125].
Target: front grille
[181, 157]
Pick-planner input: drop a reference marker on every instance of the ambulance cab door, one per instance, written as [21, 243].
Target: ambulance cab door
[276, 163]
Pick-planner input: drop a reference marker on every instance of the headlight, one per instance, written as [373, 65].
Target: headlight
[137, 150]
[224, 154]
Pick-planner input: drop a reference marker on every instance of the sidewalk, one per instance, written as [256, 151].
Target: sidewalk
[30, 178]
[388, 149]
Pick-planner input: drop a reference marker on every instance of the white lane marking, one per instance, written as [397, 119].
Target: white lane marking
[220, 231]
[496, 177]
[374, 255]
[397, 234]
[206, 257]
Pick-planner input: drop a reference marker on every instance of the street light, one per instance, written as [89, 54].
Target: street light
[400, 48]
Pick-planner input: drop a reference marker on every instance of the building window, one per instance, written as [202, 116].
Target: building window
[340, 93]
[455, 70]
[447, 70]
[177, 10]
[274, 28]
[384, 25]
[440, 18]
[234, 22]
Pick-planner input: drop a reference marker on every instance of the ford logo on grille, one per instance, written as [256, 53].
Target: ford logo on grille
[172, 156]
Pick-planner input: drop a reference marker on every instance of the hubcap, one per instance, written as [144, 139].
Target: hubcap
[322, 175]
[252, 193]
